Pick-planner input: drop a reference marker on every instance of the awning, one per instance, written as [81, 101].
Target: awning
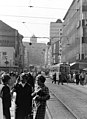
[85, 69]
[78, 65]
[72, 63]
[74, 66]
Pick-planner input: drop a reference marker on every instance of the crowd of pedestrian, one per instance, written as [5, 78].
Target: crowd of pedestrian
[31, 95]
[78, 77]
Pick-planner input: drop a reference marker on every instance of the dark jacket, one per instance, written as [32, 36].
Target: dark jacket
[6, 97]
[23, 97]
[6, 101]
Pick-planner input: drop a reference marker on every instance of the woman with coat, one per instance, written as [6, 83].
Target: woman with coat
[40, 96]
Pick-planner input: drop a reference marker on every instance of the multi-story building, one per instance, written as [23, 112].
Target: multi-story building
[33, 39]
[10, 45]
[48, 59]
[34, 54]
[6, 54]
[55, 39]
[19, 51]
[75, 33]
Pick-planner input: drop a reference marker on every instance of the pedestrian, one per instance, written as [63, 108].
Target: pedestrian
[74, 77]
[6, 96]
[13, 78]
[77, 78]
[85, 81]
[54, 78]
[60, 78]
[41, 95]
[1, 106]
[30, 79]
[23, 100]
[82, 77]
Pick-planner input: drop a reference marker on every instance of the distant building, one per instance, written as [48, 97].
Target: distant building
[7, 53]
[55, 39]
[34, 54]
[33, 39]
[11, 47]
[48, 59]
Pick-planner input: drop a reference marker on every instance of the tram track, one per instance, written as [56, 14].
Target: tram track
[70, 113]
[76, 89]
[74, 100]
[77, 92]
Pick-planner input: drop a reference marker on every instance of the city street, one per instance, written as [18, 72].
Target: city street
[72, 96]
[54, 109]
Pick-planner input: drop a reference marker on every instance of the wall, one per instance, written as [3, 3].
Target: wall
[9, 54]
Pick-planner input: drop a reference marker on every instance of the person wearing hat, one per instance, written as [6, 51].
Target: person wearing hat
[6, 96]
[40, 96]
[23, 97]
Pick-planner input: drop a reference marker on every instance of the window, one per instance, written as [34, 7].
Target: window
[60, 33]
[4, 54]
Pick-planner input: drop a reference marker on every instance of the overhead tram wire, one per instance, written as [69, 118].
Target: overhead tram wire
[28, 16]
[31, 6]
[33, 22]
[27, 22]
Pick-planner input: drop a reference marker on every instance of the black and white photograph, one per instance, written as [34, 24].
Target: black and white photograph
[43, 59]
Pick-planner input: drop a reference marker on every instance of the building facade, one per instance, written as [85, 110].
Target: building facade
[10, 45]
[48, 56]
[34, 54]
[75, 33]
[55, 39]
[6, 54]
[33, 39]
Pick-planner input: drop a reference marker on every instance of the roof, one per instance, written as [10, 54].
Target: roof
[68, 9]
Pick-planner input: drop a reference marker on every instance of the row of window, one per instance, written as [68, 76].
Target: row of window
[6, 43]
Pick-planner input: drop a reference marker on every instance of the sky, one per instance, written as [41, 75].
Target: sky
[33, 17]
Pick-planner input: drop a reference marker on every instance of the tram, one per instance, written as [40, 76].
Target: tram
[64, 68]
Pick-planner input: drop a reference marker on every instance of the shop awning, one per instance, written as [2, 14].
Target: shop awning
[74, 66]
[78, 65]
